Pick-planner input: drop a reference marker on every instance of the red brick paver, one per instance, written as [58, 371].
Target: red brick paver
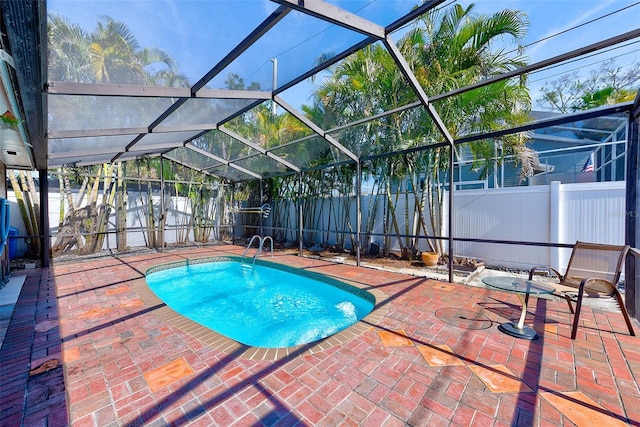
[88, 317]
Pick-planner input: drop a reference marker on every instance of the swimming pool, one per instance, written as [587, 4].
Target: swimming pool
[269, 305]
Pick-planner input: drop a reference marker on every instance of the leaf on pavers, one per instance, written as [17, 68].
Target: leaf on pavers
[44, 367]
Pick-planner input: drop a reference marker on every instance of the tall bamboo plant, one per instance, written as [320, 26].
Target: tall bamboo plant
[86, 222]
[203, 202]
[121, 209]
[284, 194]
[181, 201]
[27, 197]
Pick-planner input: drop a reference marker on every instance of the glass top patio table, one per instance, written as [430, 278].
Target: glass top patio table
[523, 288]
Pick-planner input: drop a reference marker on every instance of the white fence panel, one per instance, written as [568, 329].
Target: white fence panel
[591, 212]
[556, 213]
[178, 214]
[520, 214]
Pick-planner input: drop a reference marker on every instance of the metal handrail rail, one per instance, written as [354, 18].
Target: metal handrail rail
[264, 239]
[261, 241]
[250, 242]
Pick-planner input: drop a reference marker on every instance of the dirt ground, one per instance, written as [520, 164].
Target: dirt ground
[464, 268]
[393, 260]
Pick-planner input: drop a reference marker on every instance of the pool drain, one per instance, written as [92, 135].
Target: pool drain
[462, 318]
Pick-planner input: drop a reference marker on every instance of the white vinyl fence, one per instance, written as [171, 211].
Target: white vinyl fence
[555, 213]
[178, 216]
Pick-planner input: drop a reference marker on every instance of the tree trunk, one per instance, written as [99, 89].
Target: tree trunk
[121, 211]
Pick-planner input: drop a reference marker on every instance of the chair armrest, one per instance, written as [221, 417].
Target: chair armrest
[583, 284]
[545, 268]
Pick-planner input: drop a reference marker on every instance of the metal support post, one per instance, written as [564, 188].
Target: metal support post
[632, 210]
[45, 246]
[300, 219]
[162, 211]
[358, 210]
[451, 211]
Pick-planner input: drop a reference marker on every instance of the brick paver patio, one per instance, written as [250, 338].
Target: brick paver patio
[83, 348]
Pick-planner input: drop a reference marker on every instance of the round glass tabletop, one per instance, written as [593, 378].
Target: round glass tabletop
[515, 284]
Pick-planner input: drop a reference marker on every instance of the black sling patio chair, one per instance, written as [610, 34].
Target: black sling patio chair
[594, 269]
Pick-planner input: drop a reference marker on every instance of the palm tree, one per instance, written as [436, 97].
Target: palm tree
[368, 83]
[453, 48]
[109, 54]
[68, 47]
[446, 49]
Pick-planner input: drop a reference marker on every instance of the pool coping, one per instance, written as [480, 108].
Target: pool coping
[228, 345]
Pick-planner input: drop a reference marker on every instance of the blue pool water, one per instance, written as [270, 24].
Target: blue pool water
[260, 306]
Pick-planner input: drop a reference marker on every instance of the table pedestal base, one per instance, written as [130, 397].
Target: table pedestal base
[512, 329]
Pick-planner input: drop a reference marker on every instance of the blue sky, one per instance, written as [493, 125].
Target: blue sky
[197, 33]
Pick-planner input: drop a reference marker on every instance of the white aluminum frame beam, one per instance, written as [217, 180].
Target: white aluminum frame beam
[415, 85]
[86, 133]
[88, 152]
[258, 148]
[335, 15]
[331, 140]
[133, 91]
[190, 146]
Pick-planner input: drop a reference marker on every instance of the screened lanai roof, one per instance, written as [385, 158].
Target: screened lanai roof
[237, 57]
[272, 48]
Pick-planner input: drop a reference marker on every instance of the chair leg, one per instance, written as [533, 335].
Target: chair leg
[576, 316]
[624, 312]
[568, 298]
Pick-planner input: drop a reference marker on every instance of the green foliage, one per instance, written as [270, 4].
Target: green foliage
[446, 50]
[235, 82]
[111, 54]
[108, 54]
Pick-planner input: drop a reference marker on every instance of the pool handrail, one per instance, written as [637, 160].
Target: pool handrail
[251, 242]
[271, 239]
[261, 241]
